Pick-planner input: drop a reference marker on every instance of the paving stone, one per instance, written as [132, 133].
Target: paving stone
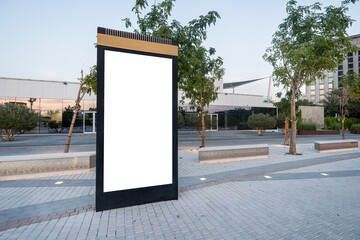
[295, 203]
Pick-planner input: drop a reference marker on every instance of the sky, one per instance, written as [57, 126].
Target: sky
[54, 40]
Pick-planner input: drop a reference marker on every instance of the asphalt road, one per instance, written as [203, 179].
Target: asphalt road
[25, 144]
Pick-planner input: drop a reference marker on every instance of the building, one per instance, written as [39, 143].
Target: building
[317, 91]
[231, 111]
[53, 101]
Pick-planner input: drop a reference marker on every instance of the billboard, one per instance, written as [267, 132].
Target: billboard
[137, 119]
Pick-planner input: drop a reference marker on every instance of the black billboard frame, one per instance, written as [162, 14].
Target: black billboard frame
[137, 196]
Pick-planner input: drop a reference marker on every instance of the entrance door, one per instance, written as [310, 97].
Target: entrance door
[89, 122]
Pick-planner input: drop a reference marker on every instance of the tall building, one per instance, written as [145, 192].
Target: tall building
[317, 91]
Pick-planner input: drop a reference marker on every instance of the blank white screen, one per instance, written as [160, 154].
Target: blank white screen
[137, 121]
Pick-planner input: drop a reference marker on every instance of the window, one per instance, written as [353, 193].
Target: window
[322, 92]
[321, 80]
[350, 54]
[340, 73]
[312, 87]
[340, 67]
[330, 86]
[350, 65]
[312, 98]
[330, 80]
[322, 97]
[350, 60]
[330, 74]
[312, 93]
[351, 71]
[321, 86]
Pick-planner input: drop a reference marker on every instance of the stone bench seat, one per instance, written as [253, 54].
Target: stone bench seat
[29, 164]
[232, 153]
[335, 145]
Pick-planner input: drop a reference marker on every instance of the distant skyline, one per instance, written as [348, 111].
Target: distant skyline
[54, 40]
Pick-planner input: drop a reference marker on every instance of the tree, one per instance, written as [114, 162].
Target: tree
[308, 42]
[351, 82]
[31, 101]
[87, 85]
[343, 99]
[331, 105]
[15, 118]
[198, 69]
[284, 108]
[260, 122]
[350, 90]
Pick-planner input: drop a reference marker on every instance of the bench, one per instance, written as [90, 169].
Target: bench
[335, 145]
[28, 164]
[232, 153]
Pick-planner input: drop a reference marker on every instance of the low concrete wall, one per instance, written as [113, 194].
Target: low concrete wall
[335, 145]
[27, 164]
[313, 114]
[232, 153]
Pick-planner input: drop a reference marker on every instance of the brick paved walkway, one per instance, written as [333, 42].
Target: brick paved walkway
[313, 196]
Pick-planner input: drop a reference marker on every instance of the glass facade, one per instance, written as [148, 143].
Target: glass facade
[55, 115]
[228, 118]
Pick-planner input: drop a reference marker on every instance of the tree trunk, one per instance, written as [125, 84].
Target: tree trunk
[202, 122]
[343, 127]
[77, 108]
[286, 134]
[67, 145]
[292, 150]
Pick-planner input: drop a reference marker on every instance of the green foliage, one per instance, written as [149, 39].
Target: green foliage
[260, 122]
[90, 80]
[329, 121]
[67, 116]
[355, 127]
[336, 126]
[350, 121]
[280, 121]
[198, 69]
[181, 120]
[354, 108]
[351, 82]
[306, 126]
[193, 121]
[331, 105]
[309, 41]
[15, 119]
[305, 102]
[283, 106]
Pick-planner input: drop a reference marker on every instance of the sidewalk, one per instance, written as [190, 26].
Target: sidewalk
[312, 196]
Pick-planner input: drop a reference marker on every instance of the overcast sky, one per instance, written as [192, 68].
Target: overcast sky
[54, 40]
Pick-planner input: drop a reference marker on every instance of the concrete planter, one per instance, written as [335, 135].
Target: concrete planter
[29, 164]
[318, 132]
